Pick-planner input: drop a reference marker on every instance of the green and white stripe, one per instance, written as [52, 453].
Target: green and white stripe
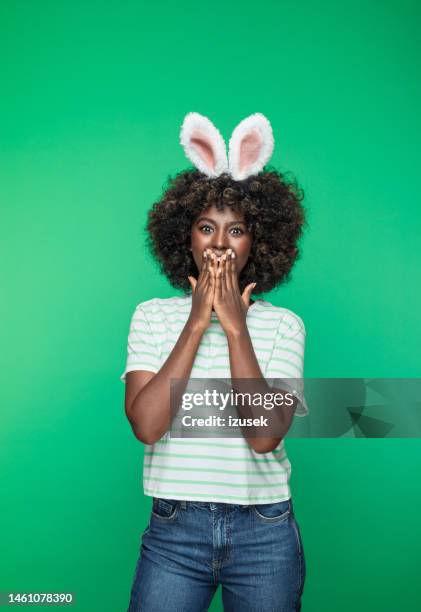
[224, 470]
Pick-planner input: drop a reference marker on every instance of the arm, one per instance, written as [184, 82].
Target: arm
[231, 307]
[147, 404]
[244, 364]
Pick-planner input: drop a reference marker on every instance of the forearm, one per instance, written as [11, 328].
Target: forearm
[244, 365]
[150, 413]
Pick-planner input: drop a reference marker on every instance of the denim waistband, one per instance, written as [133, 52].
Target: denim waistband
[184, 503]
[211, 505]
[220, 505]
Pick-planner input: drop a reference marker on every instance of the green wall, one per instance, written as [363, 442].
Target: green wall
[93, 95]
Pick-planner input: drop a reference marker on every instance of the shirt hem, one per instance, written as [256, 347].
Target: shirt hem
[217, 499]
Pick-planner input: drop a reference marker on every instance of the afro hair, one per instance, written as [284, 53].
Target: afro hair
[269, 203]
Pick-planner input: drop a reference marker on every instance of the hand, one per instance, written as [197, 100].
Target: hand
[203, 290]
[230, 305]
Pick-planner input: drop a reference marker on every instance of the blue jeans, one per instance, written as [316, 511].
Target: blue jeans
[255, 552]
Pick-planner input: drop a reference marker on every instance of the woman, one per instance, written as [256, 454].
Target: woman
[222, 511]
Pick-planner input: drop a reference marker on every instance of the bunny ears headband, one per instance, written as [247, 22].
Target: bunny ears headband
[250, 146]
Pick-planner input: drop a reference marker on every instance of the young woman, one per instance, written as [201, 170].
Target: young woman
[222, 510]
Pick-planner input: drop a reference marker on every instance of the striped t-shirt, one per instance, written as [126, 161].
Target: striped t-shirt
[222, 469]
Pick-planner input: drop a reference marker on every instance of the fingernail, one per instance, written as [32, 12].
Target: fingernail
[233, 255]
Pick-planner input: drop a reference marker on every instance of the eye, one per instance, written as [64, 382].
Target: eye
[238, 229]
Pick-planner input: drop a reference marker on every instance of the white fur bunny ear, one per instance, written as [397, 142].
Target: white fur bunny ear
[203, 145]
[250, 146]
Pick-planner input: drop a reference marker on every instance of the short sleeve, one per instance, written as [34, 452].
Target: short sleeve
[287, 360]
[142, 350]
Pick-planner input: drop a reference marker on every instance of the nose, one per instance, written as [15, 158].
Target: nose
[219, 243]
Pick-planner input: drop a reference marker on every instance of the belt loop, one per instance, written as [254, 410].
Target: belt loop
[183, 504]
[213, 506]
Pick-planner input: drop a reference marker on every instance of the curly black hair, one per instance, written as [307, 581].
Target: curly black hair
[269, 203]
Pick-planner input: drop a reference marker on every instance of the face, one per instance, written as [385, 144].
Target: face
[220, 231]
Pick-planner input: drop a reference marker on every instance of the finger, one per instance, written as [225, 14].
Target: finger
[218, 284]
[247, 294]
[208, 265]
[209, 261]
[228, 272]
[209, 269]
[192, 282]
[211, 284]
[210, 273]
[212, 262]
[212, 265]
[234, 278]
[223, 265]
[204, 269]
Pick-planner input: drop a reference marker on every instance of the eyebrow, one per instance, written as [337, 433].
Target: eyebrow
[212, 221]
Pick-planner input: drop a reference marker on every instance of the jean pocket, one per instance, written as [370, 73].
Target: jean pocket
[273, 513]
[165, 509]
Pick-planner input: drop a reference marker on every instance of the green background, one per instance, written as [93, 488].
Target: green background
[93, 96]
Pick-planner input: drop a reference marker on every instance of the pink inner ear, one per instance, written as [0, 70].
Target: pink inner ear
[250, 148]
[204, 148]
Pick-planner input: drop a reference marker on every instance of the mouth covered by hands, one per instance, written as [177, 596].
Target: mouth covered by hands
[229, 304]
